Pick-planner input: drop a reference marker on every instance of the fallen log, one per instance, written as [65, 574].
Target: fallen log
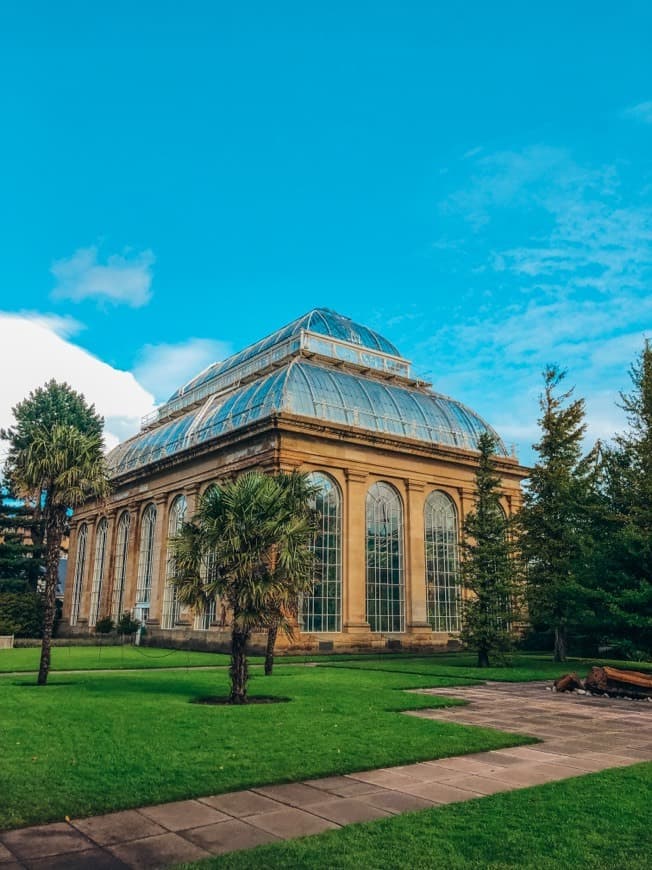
[568, 683]
[618, 683]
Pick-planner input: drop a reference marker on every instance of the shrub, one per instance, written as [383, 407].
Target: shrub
[127, 625]
[21, 614]
[104, 625]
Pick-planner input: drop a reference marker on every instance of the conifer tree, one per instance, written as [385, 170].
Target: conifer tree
[553, 518]
[21, 563]
[489, 574]
[626, 553]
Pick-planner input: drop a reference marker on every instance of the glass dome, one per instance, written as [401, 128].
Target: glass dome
[319, 392]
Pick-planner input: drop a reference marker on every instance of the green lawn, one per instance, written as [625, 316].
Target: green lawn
[601, 821]
[91, 743]
[93, 658]
[461, 666]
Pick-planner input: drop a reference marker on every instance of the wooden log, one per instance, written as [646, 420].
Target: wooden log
[568, 683]
[619, 683]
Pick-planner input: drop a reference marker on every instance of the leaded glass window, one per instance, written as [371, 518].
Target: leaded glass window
[385, 570]
[443, 588]
[170, 610]
[322, 610]
[146, 561]
[120, 570]
[98, 570]
[80, 568]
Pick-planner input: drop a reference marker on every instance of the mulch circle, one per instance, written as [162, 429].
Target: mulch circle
[221, 701]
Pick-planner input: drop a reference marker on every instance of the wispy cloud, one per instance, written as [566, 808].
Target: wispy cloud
[122, 278]
[569, 253]
[162, 368]
[640, 112]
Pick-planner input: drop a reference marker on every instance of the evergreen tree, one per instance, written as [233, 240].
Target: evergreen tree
[553, 520]
[626, 553]
[488, 566]
[21, 564]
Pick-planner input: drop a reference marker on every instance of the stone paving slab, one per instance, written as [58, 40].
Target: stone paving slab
[580, 734]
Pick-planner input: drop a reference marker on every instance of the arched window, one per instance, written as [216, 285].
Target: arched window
[146, 562]
[204, 619]
[322, 609]
[80, 568]
[385, 572]
[170, 610]
[98, 570]
[442, 563]
[120, 571]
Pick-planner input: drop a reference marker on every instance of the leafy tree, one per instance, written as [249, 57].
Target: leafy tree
[553, 518]
[250, 546]
[56, 461]
[488, 566]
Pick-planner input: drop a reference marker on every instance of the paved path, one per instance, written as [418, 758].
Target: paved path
[575, 731]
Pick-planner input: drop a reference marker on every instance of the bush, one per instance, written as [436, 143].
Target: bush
[104, 625]
[21, 614]
[127, 625]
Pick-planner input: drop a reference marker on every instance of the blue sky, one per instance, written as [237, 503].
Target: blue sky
[474, 180]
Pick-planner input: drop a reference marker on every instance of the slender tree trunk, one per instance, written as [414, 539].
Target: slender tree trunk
[483, 658]
[53, 536]
[239, 668]
[559, 654]
[272, 633]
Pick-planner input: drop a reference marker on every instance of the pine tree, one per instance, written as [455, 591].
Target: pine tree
[489, 573]
[21, 563]
[554, 515]
[626, 553]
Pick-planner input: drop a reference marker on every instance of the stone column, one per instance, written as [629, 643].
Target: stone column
[89, 569]
[71, 567]
[160, 560]
[133, 552]
[109, 565]
[416, 611]
[354, 560]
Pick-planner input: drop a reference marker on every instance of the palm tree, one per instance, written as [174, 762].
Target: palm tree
[299, 498]
[59, 468]
[249, 545]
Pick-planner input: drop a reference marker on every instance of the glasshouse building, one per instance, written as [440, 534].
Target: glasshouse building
[393, 460]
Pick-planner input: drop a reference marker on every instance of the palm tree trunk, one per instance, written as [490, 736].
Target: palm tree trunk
[53, 535]
[483, 658]
[272, 633]
[239, 668]
[559, 654]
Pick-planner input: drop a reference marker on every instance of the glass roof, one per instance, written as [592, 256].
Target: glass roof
[323, 321]
[318, 392]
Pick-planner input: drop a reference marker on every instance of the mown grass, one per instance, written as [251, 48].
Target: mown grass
[601, 821]
[520, 667]
[91, 658]
[91, 743]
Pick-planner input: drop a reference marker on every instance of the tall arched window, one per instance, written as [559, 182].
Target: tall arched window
[204, 619]
[385, 572]
[146, 562]
[120, 571]
[442, 563]
[170, 610]
[322, 609]
[80, 568]
[98, 570]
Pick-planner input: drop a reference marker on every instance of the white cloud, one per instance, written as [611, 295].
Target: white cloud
[32, 352]
[123, 278]
[162, 368]
[640, 112]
